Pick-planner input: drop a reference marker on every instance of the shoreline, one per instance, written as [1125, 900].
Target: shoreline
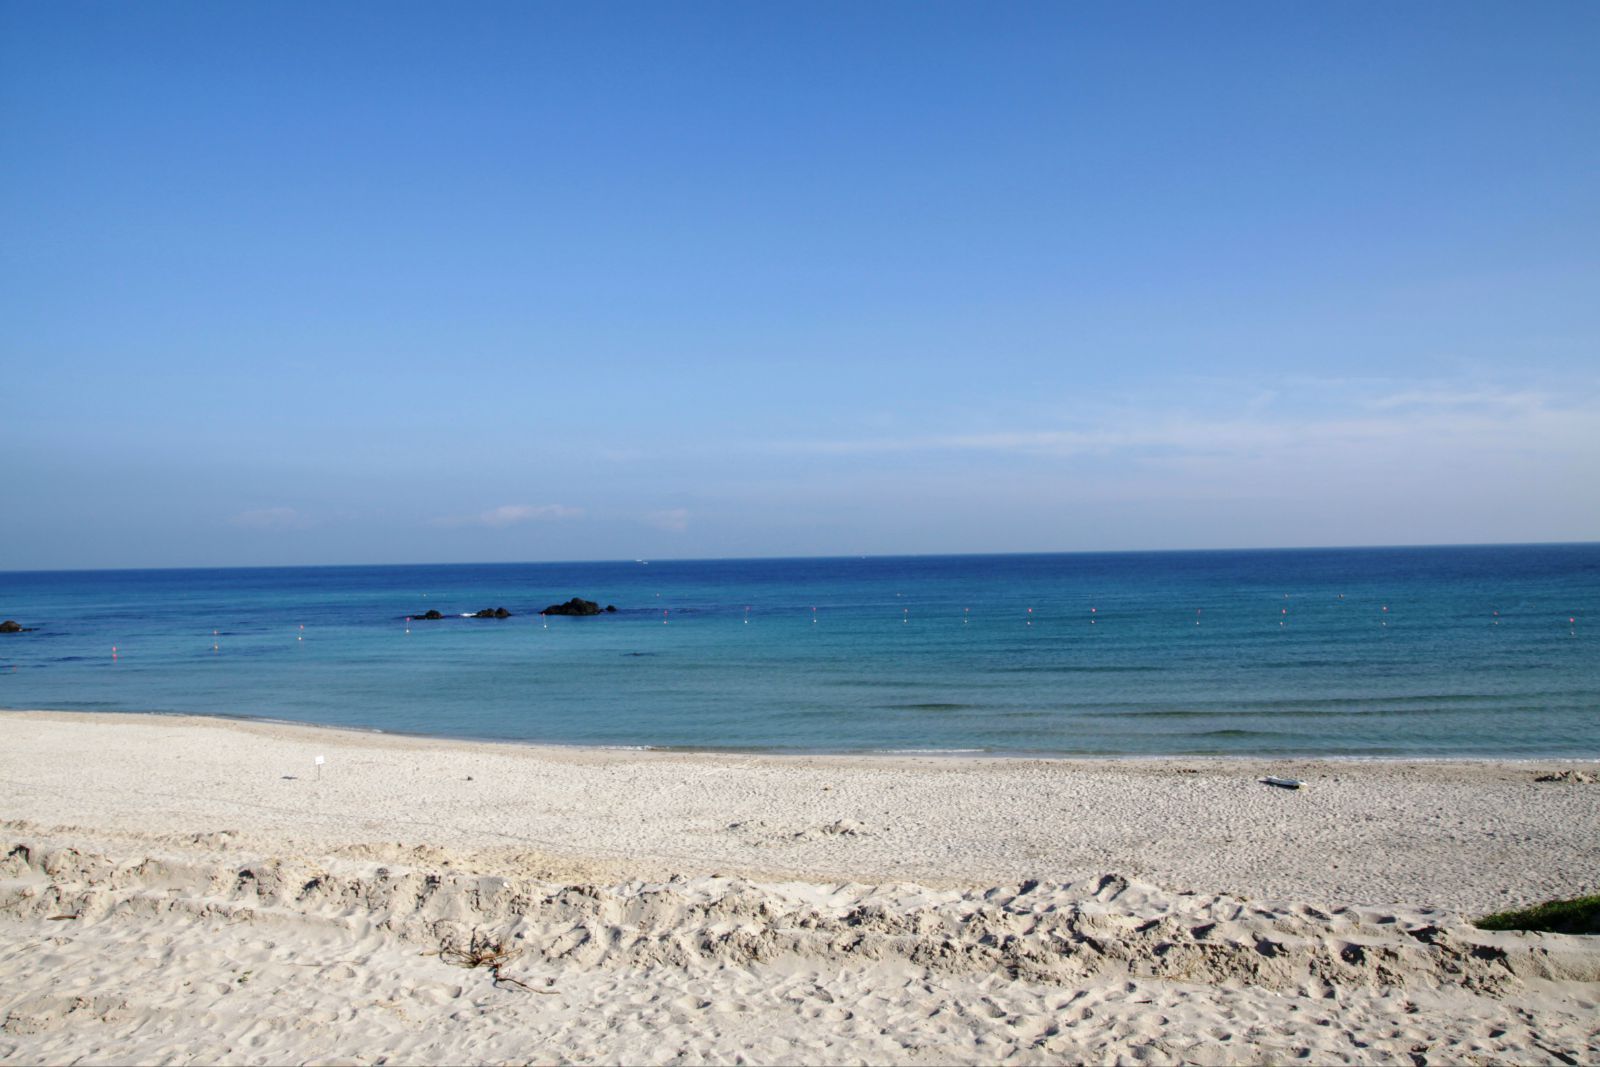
[1470, 834]
[803, 754]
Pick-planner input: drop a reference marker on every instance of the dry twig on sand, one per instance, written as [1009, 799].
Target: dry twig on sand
[489, 954]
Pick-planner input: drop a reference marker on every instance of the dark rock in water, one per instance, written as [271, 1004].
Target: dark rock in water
[492, 613]
[12, 626]
[575, 606]
[431, 613]
[611, 607]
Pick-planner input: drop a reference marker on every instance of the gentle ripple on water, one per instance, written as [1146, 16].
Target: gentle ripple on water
[881, 654]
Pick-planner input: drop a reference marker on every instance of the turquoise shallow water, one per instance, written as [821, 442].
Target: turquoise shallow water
[1468, 651]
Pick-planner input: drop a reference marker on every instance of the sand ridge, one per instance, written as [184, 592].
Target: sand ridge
[251, 958]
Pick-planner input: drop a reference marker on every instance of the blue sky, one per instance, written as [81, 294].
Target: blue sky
[294, 283]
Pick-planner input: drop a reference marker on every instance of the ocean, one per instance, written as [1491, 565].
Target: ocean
[1444, 651]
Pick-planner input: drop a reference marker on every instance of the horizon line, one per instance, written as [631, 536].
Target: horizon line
[829, 556]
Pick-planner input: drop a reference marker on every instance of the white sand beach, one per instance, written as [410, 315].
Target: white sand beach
[187, 889]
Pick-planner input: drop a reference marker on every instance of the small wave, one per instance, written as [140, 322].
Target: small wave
[1298, 664]
[82, 705]
[1068, 668]
[929, 706]
[307, 723]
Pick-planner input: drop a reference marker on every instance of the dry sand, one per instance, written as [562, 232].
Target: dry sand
[184, 889]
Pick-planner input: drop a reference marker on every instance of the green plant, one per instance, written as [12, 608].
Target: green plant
[1580, 916]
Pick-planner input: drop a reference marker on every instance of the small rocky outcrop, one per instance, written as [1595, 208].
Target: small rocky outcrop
[577, 606]
[492, 613]
[12, 626]
[431, 613]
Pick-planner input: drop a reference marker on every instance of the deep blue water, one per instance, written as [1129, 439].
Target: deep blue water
[1294, 652]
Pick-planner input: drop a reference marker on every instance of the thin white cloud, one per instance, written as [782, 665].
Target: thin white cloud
[1456, 398]
[621, 455]
[271, 519]
[513, 514]
[675, 520]
[1423, 419]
